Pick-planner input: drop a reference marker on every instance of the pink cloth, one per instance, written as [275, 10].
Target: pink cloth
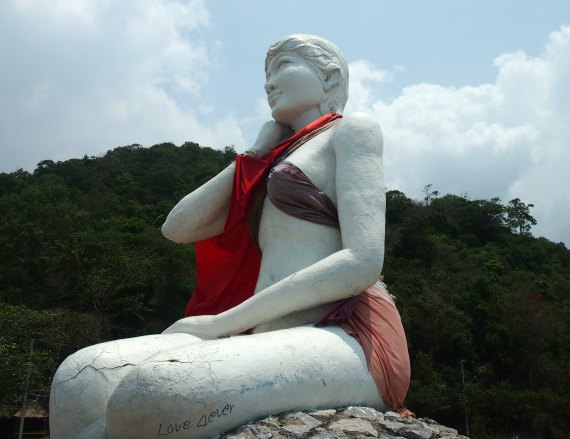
[373, 319]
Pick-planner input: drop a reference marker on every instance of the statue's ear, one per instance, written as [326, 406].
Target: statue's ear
[332, 78]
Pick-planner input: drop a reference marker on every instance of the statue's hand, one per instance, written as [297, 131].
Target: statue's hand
[271, 134]
[206, 327]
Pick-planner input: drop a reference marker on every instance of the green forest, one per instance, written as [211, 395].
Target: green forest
[485, 305]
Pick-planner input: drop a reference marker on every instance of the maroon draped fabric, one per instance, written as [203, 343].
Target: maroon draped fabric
[228, 264]
[292, 192]
[373, 319]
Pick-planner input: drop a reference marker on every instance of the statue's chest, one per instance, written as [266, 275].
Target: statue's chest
[317, 161]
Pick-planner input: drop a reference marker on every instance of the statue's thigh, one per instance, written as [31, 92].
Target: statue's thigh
[216, 385]
[84, 381]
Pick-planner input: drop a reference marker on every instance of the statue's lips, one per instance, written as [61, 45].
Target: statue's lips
[271, 96]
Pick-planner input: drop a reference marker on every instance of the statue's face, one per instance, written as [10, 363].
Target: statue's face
[293, 87]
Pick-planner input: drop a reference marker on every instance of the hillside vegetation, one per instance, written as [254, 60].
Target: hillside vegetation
[486, 306]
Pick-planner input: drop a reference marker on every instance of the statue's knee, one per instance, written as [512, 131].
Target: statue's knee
[70, 375]
[85, 379]
[85, 364]
[134, 402]
[78, 395]
[74, 364]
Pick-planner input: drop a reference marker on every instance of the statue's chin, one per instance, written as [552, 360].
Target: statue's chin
[283, 116]
[288, 115]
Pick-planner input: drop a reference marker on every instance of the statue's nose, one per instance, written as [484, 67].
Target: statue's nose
[269, 87]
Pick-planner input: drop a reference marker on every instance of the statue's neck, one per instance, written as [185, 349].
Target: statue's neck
[306, 118]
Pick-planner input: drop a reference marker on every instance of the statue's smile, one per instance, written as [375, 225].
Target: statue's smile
[272, 96]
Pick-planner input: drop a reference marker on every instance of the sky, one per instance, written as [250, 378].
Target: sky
[472, 96]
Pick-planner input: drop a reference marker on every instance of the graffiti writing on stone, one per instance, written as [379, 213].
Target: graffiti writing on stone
[200, 422]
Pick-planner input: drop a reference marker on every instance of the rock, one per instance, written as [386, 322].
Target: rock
[354, 425]
[393, 416]
[416, 432]
[324, 413]
[270, 421]
[343, 423]
[245, 433]
[261, 431]
[321, 433]
[302, 423]
[440, 431]
[392, 427]
[362, 413]
[297, 430]
[443, 431]
[305, 419]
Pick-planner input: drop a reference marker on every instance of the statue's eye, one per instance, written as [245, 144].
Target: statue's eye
[282, 62]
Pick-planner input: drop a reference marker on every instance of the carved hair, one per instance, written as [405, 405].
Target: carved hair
[325, 58]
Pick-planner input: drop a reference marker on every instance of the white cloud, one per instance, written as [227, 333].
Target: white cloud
[508, 139]
[362, 76]
[83, 76]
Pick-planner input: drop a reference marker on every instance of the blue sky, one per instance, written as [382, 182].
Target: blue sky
[450, 43]
[472, 96]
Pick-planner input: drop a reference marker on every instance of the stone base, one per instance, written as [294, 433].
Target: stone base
[343, 423]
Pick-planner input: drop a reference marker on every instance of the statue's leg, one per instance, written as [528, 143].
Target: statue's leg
[83, 383]
[207, 388]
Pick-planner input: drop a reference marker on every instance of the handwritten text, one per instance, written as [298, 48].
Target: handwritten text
[204, 420]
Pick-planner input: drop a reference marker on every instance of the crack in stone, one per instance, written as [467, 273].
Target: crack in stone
[173, 360]
[97, 369]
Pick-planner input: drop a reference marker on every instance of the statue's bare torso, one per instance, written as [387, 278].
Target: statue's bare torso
[306, 243]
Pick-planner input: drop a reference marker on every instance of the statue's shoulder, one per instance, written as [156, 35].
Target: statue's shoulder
[357, 126]
[359, 120]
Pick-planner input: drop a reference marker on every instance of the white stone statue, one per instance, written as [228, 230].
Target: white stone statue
[200, 378]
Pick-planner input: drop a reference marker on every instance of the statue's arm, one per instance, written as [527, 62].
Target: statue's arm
[202, 214]
[357, 142]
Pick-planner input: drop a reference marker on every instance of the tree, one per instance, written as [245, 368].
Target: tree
[429, 194]
[83, 261]
[397, 207]
[56, 334]
[519, 218]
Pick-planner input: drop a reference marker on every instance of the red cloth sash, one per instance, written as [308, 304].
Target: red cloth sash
[228, 264]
